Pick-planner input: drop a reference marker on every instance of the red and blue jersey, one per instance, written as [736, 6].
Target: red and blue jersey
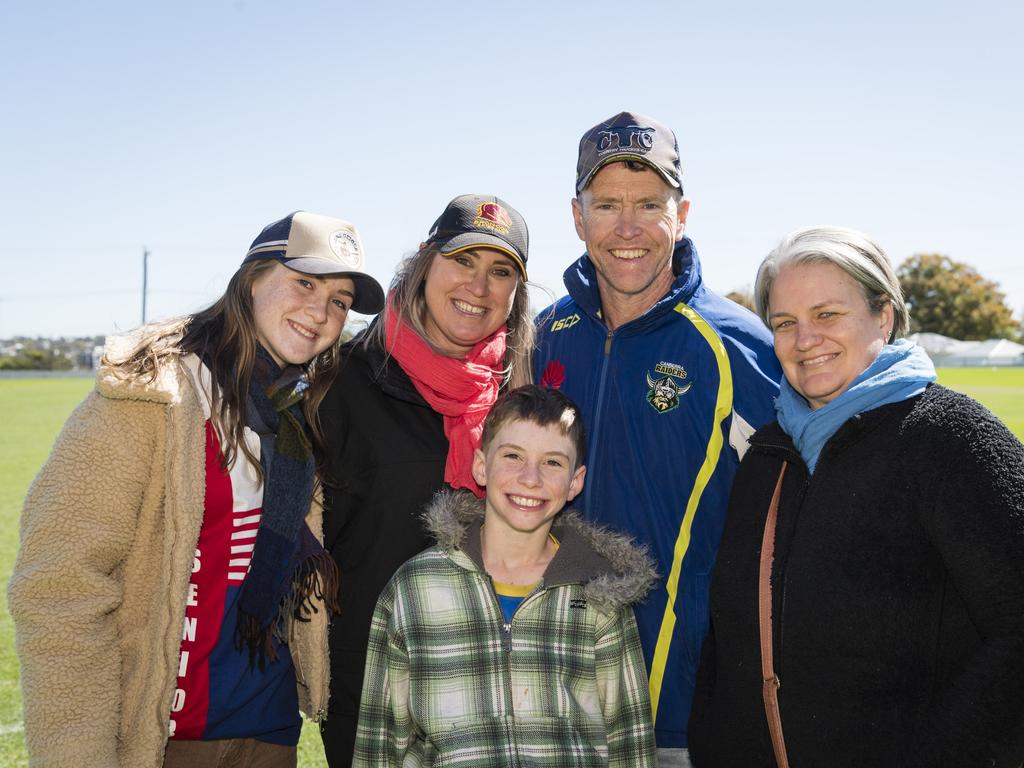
[219, 695]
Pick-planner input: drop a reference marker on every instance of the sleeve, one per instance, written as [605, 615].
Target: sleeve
[974, 517]
[77, 526]
[756, 376]
[335, 431]
[622, 687]
[386, 731]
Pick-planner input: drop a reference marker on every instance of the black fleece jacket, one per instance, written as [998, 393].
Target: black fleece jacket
[898, 596]
[385, 459]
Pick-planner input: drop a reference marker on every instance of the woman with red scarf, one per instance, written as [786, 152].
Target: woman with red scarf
[406, 412]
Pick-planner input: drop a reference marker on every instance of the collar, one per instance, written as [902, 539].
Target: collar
[581, 283]
[613, 570]
[772, 440]
[168, 384]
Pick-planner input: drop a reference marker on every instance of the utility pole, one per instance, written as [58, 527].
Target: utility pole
[145, 275]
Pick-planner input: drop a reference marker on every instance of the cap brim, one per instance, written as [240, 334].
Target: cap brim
[369, 298]
[469, 240]
[620, 158]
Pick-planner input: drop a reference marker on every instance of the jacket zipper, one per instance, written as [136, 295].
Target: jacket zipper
[593, 436]
[506, 647]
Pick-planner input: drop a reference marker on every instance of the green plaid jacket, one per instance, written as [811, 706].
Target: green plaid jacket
[448, 683]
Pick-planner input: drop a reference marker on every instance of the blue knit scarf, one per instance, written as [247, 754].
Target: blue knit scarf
[289, 566]
[901, 370]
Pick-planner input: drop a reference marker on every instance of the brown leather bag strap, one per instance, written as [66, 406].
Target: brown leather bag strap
[770, 689]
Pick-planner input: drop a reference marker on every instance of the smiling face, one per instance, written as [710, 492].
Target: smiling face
[825, 333]
[530, 473]
[297, 315]
[631, 221]
[468, 297]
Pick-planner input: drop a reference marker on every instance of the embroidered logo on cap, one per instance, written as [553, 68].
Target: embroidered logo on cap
[346, 248]
[664, 393]
[635, 138]
[492, 216]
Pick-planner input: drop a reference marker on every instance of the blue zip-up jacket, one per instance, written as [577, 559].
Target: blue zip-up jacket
[669, 400]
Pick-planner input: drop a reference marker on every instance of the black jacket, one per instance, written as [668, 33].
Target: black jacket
[898, 591]
[385, 459]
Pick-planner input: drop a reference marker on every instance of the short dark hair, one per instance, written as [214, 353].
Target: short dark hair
[543, 406]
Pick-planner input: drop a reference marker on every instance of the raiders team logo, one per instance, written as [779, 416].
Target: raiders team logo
[663, 393]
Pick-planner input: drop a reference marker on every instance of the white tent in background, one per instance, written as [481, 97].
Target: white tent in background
[935, 344]
[994, 352]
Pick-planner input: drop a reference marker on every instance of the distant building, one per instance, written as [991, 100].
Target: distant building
[952, 353]
[65, 353]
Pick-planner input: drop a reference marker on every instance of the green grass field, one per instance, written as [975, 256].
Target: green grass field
[1001, 390]
[33, 410]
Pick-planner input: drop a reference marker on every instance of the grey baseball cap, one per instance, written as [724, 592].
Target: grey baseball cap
[629, 136]
[482, 221]
[320, 245]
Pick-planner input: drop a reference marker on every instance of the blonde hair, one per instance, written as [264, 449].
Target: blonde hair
[407, 293]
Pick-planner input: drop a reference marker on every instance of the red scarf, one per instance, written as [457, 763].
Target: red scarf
[462, 391]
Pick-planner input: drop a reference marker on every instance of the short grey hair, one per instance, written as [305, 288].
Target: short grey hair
[855, 253]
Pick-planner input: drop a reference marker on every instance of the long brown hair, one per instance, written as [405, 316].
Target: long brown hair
[224, 336]
[407, 291]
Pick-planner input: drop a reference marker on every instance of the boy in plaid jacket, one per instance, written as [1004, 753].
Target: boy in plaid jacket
[512, 641]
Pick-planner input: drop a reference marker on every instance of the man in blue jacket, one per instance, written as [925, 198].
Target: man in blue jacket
[671, 378]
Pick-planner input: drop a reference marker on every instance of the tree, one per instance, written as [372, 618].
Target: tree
[951, 298]
[32, 358]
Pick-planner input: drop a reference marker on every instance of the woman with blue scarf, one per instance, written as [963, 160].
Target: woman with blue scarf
[867, 605]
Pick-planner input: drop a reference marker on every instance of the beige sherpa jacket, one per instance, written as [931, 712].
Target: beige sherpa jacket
[98, 593]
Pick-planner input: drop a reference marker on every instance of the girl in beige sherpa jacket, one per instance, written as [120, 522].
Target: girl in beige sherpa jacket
[110, 527]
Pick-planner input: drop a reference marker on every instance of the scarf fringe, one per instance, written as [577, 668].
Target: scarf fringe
[316, 578]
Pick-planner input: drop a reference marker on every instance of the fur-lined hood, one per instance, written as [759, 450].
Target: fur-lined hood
[613, 569]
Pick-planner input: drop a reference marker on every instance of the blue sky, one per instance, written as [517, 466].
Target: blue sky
[185, 127]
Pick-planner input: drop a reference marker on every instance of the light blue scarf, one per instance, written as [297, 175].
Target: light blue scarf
[901, 370]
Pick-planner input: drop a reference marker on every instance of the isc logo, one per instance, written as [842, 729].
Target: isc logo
[565, 322]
